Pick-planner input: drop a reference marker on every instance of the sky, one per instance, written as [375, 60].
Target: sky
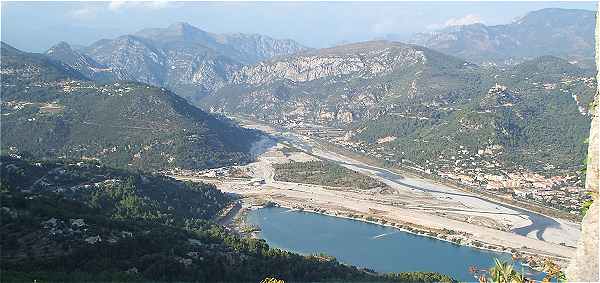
[36, 26]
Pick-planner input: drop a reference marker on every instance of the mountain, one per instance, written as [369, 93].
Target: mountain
[416, 107]
[76, 206]
[243, 48]
[22, 68]
[50, 111]
[187, 60]
[82, 221]
[516, 121]
[343, 84]
[565, 33]
[82, 63]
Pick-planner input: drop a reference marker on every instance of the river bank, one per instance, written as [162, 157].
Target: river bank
[414, 205]
[531, 259]
[370, 208]
[415, 173]
[378, 247]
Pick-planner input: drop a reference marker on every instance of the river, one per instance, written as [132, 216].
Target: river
[539, 223]
[381, 248]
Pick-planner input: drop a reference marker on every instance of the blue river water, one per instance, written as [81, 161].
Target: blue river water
[539, 222]
[378, 247]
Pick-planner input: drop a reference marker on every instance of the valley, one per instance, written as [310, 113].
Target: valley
[413, 108]
[83, 198]
[415, 204]
[164, 152]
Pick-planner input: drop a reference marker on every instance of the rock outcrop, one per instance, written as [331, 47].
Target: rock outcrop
[584, 266]
[365, 60]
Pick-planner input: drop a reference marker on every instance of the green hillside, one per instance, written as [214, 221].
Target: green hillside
[74, 221]
[432, 106]
[48, 112]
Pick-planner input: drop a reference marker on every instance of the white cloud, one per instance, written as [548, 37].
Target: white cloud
[158, 4]
[462, 21]
[83, 13]
[116, 5]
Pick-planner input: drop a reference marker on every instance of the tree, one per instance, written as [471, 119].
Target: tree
[504, 272]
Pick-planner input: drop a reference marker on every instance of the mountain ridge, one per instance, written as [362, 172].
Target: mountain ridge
[124, 124]
[566, 33]
[432, 104]
[189, 61]
[80, 62]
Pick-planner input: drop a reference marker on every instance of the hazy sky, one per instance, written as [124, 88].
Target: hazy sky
[35, 26]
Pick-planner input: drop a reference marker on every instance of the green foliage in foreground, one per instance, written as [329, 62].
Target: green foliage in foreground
[586, 206]
[142, 228]
[504, 272]
[324, 173]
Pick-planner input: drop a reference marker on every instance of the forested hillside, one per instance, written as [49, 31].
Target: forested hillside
[488, 127]
[82, 221]
[534, 114]
[50, 111]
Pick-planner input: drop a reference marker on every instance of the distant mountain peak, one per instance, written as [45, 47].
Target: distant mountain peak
[62, 48]
[552, 10]
[179, 25]
[182, 26]
[178, 31]
[186, 59]
[566, 33]
[554, 15]
[62, 44]
[185, 29]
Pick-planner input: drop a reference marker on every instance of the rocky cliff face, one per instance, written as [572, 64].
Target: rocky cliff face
[183, 58]
[364, 60]
[334, 85]
[585, 265]
[351, 79]
[559, 32]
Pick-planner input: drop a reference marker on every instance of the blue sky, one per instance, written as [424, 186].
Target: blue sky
[35, 26]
